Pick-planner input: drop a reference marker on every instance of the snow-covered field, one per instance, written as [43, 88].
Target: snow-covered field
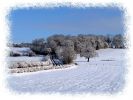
[19, 49]
[24, 58]
[103, 74]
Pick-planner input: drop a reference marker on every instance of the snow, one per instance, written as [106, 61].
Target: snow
[24, 58]
[20, 49]
[103, 74]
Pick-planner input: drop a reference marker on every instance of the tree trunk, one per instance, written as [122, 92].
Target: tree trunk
[88, 59]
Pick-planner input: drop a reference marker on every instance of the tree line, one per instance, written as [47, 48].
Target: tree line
[65, 47]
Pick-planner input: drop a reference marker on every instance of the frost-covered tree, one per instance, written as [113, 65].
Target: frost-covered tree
[52, 44]
[58, 38]
[66, 52]
[118, 41]
[39, 46]
[109, 39]
[68, 55]
[88, 53]
[68, 43]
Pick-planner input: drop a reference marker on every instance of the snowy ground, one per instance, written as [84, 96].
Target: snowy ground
[103, 74]
[19, 49]
[24, 58]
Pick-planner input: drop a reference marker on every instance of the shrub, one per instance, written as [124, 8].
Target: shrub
[15, 54]
[66, 54]
[31, 53]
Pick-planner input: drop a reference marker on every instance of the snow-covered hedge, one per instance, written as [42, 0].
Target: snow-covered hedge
[30, 69]
[28, 64]
[37, 68]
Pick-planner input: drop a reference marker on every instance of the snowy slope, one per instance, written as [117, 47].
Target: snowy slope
[103, 74]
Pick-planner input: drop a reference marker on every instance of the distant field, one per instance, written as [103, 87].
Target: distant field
[24, 58]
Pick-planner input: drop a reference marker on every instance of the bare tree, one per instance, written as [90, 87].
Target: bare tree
[88, 53]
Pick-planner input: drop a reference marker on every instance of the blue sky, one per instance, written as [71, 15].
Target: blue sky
[28, 24]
